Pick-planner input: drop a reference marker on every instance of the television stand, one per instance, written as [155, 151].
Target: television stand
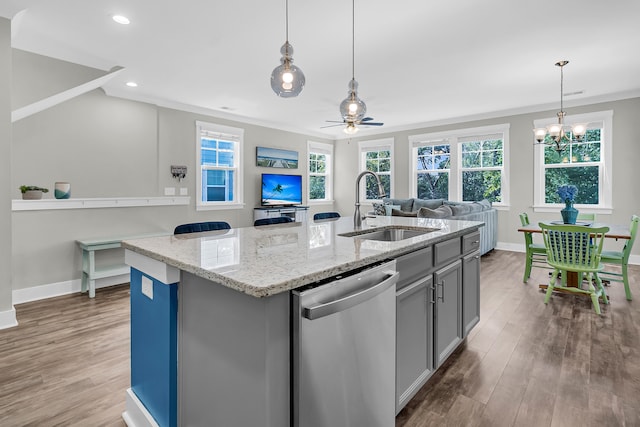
[296, 213]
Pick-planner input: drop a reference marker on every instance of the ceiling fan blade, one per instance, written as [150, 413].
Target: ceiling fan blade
[366, 119]
[372, 124]
[334, 121]
[331, 126]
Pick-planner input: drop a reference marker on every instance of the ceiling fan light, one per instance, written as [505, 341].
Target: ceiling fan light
[350, 129]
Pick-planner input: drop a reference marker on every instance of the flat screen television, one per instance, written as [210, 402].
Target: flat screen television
[281, 190]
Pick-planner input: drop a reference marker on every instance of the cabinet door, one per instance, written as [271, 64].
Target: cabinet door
[448, 313]
[470, 292]
[414, 340]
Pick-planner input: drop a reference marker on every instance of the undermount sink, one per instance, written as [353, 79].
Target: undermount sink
[389, 234]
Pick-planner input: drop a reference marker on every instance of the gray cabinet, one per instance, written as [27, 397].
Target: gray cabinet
[414, 339]
[447, 311]
[470, 292]
[435, 310]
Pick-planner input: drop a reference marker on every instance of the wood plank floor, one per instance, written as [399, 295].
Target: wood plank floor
[525, 364]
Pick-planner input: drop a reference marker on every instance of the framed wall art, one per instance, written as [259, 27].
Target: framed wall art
[276, 158]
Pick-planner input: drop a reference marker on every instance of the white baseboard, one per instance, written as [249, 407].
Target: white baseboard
[8, 319]
[50, 290]
[135, 414]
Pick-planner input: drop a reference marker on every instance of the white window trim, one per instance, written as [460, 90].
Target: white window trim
[603, 118]
[452, 137]
[238, 203]
[327, 149]
[376, 145]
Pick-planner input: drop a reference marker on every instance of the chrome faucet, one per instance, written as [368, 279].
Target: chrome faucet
[357, 218]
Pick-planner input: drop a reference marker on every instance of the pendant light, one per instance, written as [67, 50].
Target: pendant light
[558, 134]
[287, 80]
[352, 109]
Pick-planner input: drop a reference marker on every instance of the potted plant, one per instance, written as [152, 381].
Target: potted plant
[32, 192]
[567, 194]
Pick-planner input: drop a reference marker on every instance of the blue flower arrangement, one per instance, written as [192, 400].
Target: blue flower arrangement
[567, 193]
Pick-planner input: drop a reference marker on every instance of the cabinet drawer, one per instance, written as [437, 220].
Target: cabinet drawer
[414, 266]
[471, 242]
[446, 251]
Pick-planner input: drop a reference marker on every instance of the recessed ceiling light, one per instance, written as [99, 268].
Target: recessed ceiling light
[132, 84]
[121, 19]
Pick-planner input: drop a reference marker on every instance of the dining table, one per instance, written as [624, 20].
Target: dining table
[616, 231]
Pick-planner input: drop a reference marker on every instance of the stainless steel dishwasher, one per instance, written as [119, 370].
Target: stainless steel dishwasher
[344, 350]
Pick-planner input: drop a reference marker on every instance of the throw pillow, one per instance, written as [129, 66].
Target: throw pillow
[378, 209]
[396, 212]
[443, 211]
[389, 208]
[460, 209]
[405, 204]
[486, 205]
[426, 203]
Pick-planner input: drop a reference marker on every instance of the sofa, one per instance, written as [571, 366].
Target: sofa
[446, 209]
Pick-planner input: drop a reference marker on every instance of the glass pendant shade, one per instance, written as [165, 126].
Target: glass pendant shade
[353, 109]
[287, 80]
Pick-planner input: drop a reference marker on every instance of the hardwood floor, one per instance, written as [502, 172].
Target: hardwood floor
[525, 363]
[531, 364]
[67, 361]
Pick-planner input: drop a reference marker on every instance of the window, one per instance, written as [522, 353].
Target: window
[218, 155]
[585, 164]
[376, 156]
[462, 165]
[432, 169]
[320, 171]
[482, 161]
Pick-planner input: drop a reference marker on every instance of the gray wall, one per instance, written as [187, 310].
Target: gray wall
[110, 147]
[5, 165]
[626, 175]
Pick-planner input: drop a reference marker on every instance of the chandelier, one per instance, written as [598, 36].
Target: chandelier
[287, 80]
[559, 135]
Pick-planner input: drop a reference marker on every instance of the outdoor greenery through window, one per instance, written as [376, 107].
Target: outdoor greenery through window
[482, 160]
[219, 149]
[586, 164]
[461, 165]
[320, 171]
[432, 171]
[578, 165]
[377, 156]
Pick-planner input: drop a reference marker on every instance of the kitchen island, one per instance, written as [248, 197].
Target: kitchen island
[210, 312]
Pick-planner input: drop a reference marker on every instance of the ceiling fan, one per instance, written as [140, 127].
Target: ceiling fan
[351, 124]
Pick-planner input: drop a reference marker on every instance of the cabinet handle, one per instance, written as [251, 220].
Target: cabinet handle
[477, 257]
[433, 291]
[441, 298]
[475, 242]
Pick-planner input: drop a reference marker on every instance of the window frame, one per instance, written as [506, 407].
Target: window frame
[384, 144]
[597, 120]
[455, 138]
[237, 137]
[326, 149]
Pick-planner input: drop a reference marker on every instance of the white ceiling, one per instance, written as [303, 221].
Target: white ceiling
[417, 61]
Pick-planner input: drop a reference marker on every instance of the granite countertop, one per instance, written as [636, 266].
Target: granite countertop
[267, 260]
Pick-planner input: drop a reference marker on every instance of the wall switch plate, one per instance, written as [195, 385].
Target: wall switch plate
[147, 287]
[184, 191]
[169, 191]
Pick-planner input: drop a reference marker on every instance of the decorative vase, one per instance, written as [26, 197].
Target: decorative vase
[62, 190]
[569, 213]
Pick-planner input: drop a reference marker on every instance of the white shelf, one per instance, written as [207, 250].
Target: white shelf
[111, 202]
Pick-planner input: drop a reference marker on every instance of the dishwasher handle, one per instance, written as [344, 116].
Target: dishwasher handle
[341, 304]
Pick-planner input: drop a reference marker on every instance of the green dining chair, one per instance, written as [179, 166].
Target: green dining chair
[621, 258]
[536, 252]
[575, 248]
[588, 217]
